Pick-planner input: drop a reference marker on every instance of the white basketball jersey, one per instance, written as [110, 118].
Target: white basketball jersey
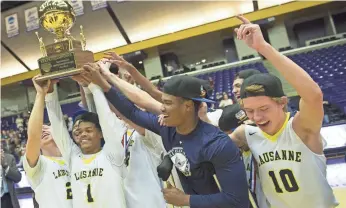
[291, 174]
[96, 182]
[142, 184]
[50, 180]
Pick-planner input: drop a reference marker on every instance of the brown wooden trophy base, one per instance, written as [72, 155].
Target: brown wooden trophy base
[64, 58]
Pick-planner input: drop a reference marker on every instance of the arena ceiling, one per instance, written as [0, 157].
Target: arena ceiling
[129, 26]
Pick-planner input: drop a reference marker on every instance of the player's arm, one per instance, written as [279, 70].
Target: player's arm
[230, 172]
[86, 95]
[33, 163]
[89, 99]
[83, 99]
[239, 138]
[139, 129]
[129, 110]
[35, 124]
[112, 127]
[58, 126]
[135, 95]
[120, 102]
[136, 75]
[308, 122]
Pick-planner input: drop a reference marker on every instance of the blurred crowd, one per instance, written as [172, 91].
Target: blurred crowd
[14, 135]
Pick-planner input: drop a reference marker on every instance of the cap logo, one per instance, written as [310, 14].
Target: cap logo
[203, 92]
[241, 115]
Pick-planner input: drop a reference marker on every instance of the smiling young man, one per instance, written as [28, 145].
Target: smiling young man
[141, 183]
[288, 150]
[198, 150]
[45, 168]
[96, 172]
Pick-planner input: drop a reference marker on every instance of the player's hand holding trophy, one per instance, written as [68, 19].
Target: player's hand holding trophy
[66, 56]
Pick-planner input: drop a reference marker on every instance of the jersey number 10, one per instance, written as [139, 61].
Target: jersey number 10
[287, 179]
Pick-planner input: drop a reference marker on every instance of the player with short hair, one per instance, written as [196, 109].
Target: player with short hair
[289, 151]
[96, 172]
[47, 172]
[141, 183]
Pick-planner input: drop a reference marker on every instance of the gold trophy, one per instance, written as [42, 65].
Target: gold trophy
[66, 56]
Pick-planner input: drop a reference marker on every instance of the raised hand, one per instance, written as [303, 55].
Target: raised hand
[161, 120]
[250, 33]
[119, 61]
[92, 73]
[104, 66]
[82, 81]
[43, 87]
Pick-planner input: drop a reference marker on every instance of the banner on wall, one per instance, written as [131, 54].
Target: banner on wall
[31, 19]
[98, 4]
[78, 6]
[11, 23]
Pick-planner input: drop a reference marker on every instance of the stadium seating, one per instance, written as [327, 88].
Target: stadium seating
[223, 79]
[327, 66]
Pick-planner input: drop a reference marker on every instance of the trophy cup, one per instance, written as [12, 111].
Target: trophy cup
[66, 56]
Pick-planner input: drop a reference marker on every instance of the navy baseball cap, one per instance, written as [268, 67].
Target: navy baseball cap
[188, 87]
[232, 116]
[271, 84]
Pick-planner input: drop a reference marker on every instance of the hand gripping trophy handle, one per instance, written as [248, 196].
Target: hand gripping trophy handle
[83, 41]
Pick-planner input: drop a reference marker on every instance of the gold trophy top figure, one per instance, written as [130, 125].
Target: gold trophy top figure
[57, 17]
[66, 56]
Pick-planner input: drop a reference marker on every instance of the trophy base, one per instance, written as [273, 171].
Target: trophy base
[64, 65]
[59, 75]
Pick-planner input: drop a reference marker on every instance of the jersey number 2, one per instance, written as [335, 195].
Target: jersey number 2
[68, 190]
[287, 179]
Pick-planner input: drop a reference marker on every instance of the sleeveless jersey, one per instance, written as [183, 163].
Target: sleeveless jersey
[291, 174]
[50, 180]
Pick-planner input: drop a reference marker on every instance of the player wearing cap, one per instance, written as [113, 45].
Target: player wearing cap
[48, 174]
[153, 142]
[95, 172]
[289, 151]
[197, 149]
[232, 117]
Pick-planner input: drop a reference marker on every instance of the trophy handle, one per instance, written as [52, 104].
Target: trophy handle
[83, 41]
[42, 46]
